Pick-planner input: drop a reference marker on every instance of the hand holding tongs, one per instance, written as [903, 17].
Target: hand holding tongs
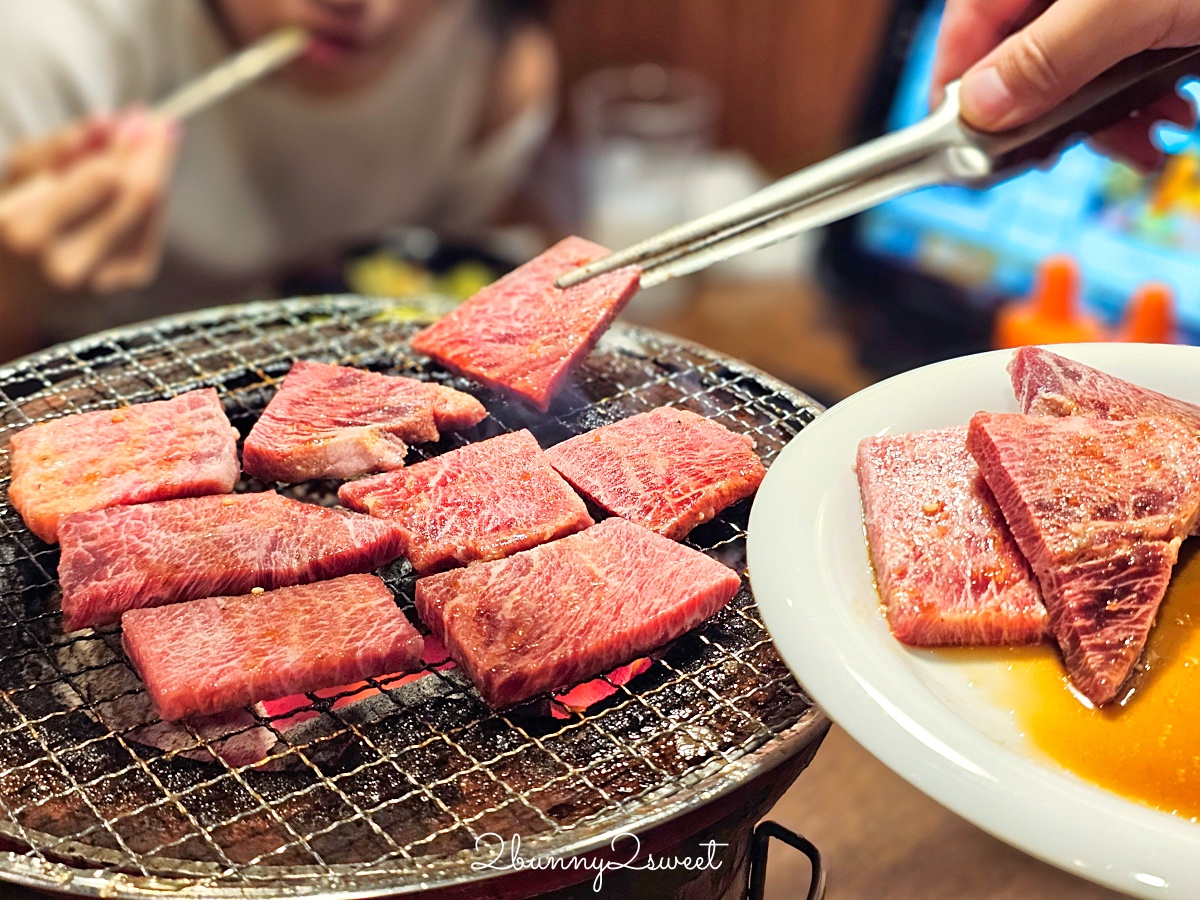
[940, 149]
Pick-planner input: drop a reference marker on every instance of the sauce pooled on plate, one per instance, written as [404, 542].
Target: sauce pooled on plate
[1146, 744]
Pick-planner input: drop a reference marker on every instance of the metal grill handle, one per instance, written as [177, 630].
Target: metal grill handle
[760, 847]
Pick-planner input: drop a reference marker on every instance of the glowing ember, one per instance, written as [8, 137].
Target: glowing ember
[580, 697]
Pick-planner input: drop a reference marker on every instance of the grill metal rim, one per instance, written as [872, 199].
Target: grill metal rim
[446, 873]
[702, 785]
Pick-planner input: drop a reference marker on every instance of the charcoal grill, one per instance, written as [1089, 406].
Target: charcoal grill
[392, 793]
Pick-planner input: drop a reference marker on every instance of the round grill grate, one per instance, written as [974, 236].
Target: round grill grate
[390, 786]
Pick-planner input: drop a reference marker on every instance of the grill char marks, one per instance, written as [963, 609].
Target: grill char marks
[338, 422]
[523, 335]
[480, 502]
[137, 556]
[551, 616]
[667, 470]
[1099, 509]
[948, 569]
[183, 447]
[262, 647]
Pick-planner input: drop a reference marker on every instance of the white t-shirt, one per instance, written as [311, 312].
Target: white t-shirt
[272, 177]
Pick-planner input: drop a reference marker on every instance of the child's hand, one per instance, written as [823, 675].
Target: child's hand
[84, 206]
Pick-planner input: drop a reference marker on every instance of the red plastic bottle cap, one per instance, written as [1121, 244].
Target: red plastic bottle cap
[1150, 318]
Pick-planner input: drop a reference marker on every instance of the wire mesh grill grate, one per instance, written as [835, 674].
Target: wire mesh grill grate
[385, 784]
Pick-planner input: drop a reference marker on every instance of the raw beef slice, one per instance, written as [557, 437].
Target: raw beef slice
[338, 422]
[112, 696]
[1048, 384]
[482, 501]
[1099, 509]
[554, 615]
[522, 334]
[183, 447]
[219, 653]
[668, 470]
[128, 557]
[947, 567]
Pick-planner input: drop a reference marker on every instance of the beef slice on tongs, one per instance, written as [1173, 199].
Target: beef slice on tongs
[1099, 508]
[524, 335]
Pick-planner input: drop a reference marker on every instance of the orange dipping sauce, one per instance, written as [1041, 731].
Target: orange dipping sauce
[1148, 749]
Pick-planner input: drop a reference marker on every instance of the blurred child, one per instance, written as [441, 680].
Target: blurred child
[399, 112]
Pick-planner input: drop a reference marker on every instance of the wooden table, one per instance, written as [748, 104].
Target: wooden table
[785, 328]
[882, 839]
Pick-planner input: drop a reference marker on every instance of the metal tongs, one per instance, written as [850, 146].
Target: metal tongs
[940, 149]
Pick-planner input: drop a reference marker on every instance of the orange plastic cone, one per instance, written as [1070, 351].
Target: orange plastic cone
[1051, 314]
[1150, 318]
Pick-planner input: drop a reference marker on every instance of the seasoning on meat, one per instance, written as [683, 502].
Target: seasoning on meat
[948, 570]
[1047, 384]
[522, 334]
[219, 653]
[1099, 509]
[482, 501]
[129, 557]
[182, 447]
[337, 422]
[557, 614]
[668, 469]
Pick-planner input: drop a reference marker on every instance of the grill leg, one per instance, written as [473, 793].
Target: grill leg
[758, 859]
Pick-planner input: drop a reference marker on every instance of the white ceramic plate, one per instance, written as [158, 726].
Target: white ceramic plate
[924, 715]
